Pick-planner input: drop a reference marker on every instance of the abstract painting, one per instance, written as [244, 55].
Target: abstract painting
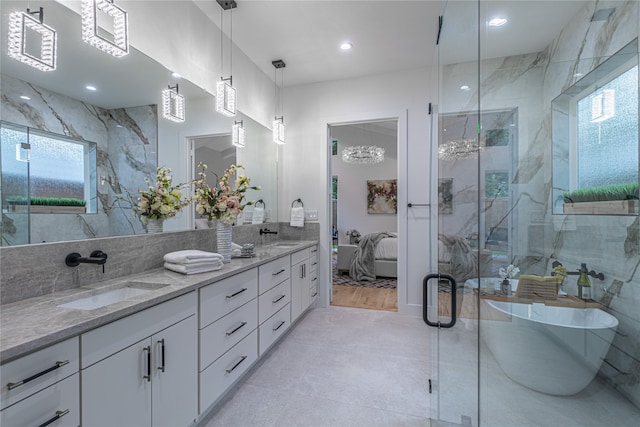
[382, 196]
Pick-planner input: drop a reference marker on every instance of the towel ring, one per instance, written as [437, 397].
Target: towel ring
[260, 201]
[297, 201]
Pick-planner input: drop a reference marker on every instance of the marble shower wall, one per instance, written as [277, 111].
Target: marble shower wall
[126, 152]
[608, 244]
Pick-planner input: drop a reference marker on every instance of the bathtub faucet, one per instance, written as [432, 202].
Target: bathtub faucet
[583, 279]
[591, 273]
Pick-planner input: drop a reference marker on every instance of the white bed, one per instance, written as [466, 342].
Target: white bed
[386, 257]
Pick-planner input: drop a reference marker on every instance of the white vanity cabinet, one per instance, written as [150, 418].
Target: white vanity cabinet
[142, 370]
[274, 301]
[228, 336]
[303, 280]
[42, 387]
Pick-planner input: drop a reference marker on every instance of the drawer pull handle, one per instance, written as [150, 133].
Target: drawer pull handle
[162, 358]
[147, 350]
[314, 263]
[58, 364]
[314, 279]
[236, 294]
[279, 272]
[56, 417]
[229, 333]
[314, 295]
[279, 325]
[313, 251]
[236, 365]
[278, 299]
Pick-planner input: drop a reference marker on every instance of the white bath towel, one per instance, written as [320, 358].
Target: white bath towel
[258, 215]
[185, 256]
[194, 269]
[297, 217]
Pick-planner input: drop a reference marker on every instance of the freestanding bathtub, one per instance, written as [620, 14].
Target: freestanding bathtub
[554, 350]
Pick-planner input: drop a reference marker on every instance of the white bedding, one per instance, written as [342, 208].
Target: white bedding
[387, 248]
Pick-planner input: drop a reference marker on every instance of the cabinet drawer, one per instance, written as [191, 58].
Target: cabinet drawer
[224, 333]
[300, 256]
[109, 339]
[274, 327]
[273, 273]
[220, 298]
[313, 262]
[224, 372]
[313, 289]
[273, 300]
[48, 365]
[50, 404]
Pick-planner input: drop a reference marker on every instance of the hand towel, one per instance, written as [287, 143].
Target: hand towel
[258, 215]
[188, 269]
[180, 257]
[297, 217]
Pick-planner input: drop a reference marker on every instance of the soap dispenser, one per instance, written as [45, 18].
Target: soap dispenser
[584, 284]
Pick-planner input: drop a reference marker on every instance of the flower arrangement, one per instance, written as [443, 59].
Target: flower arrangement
[509, 273]
[161, 200]
[222, 202]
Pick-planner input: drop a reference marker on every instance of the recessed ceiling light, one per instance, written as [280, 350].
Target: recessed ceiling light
[176, 75]
[92, 88]
[25, 97]
[497, 22]
[465, 87]
[346, 46]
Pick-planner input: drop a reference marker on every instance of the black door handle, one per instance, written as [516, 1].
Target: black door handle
[425, 300]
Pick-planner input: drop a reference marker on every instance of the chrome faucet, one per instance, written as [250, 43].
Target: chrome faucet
[267, 231]
[74, 259]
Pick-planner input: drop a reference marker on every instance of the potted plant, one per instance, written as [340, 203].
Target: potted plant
[40, 205]
[618, 199]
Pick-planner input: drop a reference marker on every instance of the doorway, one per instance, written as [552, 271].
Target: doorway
[364, 220]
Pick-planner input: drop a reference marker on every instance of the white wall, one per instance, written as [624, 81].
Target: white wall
[352, 178]
[308, 110]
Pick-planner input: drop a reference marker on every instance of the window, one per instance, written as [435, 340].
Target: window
[334, 187]
[496, 185]
[334, 147]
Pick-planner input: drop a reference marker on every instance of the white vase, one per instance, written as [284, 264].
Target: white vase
[223, 239]
[154, 225]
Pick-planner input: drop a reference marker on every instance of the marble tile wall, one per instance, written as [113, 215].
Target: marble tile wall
[126, 142]
[608, 244]
[35, 270]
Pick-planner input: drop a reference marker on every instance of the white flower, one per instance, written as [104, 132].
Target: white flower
[509, 273]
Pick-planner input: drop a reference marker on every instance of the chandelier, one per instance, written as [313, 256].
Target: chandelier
[460, 149]
[117, 46]
[23, 23]
[363, 154]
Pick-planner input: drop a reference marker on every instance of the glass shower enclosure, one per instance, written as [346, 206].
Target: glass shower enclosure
[535, 124]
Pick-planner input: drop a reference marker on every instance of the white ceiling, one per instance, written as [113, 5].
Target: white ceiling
[387, 36]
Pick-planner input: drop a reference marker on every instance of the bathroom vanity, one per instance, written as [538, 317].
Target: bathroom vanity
[164, 356]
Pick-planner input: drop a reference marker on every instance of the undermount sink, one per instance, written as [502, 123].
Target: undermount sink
[127, 291]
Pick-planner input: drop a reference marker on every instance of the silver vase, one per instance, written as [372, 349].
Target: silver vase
[223, 239]
[154, 225]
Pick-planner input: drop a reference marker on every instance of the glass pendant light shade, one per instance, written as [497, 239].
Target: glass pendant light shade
[22, 27]
[117, 47]
[278, 130]
[238, 134]
[226, 98]
[173, 105]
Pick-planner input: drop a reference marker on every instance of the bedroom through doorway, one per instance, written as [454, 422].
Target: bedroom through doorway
[364, 224]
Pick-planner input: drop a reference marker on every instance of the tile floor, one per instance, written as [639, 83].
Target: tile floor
[338, 367]
[354, 367]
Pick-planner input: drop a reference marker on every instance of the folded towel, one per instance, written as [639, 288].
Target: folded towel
[181, 257]
[297, 217]
[189, 269]
[258, 215]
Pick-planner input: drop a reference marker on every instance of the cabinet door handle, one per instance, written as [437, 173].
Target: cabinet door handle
[302, 271]
[236, 365]
[236, 294]
[278, 299]
[58, 364]
[279, 272]
[56, 417]
[147, 350]
[236, 329]
[162, 356]
[279, 325]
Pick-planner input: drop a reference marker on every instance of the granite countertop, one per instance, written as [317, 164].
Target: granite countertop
[34, 323]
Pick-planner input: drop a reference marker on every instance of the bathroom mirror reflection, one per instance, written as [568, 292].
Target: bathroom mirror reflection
[114, 103]
[595, 140]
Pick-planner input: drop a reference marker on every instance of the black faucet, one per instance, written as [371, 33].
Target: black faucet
[74, 259]
[267, 231]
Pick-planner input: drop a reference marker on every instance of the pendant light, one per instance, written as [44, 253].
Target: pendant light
[173, 104]
[225, 92]
[278, 122]
[23, 23]
[119, 45]
[237, 134]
